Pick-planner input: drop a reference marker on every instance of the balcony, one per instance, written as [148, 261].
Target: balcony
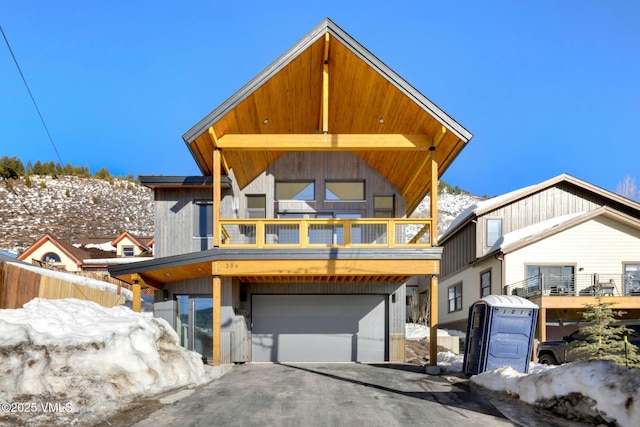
[326, 233]
[576, 285]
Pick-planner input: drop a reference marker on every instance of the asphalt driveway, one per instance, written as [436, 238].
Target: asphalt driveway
[333, 395]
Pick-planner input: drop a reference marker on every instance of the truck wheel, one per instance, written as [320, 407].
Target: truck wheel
[547, 359]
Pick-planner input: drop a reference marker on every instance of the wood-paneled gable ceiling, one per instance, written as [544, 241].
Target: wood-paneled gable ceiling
[329, 93]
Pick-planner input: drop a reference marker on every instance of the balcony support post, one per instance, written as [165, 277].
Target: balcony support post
[433, 321]
[217, 179]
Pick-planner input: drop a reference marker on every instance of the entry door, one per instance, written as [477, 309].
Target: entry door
[318, 328]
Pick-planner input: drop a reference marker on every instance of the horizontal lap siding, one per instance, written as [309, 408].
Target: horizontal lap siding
[614, 244]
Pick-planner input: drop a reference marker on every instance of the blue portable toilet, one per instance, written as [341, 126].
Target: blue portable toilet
[500, 332]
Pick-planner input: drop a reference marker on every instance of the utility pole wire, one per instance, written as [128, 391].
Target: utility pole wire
[31, 95]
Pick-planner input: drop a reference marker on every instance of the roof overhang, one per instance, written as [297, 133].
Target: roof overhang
[329, 93]
[286, 265]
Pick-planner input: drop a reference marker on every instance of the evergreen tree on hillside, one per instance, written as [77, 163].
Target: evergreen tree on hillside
[11, 167]
[602, 339]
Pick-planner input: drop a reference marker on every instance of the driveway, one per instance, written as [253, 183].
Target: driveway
[338, 394]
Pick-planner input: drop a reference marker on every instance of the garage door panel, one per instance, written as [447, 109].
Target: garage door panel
[318, 328]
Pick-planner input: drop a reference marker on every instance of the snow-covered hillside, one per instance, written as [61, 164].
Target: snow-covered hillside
[71, 207]
[449, 206]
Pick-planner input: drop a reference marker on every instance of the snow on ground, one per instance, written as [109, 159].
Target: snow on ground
[587, 389]
[70, 361]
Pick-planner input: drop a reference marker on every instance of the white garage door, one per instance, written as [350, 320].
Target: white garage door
[318, 328]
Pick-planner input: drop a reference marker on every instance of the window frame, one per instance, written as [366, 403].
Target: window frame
[53, 255]
[489, 243]
[128, 247]
[457, 297]
[482, 286]
[391, 211]
[345, 181]
[293, 181]
[198, 206]
[251, 212]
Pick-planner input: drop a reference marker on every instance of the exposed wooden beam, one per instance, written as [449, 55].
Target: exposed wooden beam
[433, 198]
[325, 86]
[310, 268]
[216, 293]
[214, 138]
[433, 321]
[328, 142]
[436, 140]
[136, 304]
[216, 197]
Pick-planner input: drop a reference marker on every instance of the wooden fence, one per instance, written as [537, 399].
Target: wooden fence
[19, 286]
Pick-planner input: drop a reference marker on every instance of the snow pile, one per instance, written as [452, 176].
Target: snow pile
[90, 360]
[78, 280]
[609, 390]
[416, 331]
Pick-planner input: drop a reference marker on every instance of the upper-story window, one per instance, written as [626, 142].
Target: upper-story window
[296, 190]
[256, 206]
[494, 230]
[383, 206]
[344, 191]
[203, 218]
[128, 251]
[51, 257]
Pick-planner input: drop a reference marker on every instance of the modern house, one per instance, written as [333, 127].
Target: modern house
[557, 243]
[295, 243]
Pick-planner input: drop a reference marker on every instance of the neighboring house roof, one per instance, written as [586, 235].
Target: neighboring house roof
[71, 251]
[315, 92]
[141, 242]
[534, 233]
[477, 209]
[88, 248]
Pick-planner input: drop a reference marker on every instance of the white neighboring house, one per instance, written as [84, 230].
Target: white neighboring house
[556, 243]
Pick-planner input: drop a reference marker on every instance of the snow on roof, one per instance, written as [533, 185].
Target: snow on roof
[106, 246]
[482, 206]
[530, 231]
[79, 280]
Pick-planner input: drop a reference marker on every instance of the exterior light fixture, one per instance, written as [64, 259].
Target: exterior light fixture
[265, 121]
[381, 121]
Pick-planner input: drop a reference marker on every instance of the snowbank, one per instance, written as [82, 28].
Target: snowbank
[88, 359]
[612, 391]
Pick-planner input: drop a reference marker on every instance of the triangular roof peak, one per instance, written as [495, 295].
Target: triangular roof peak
[488, 205]
[329, 93]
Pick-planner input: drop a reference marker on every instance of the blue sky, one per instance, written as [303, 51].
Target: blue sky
[546, 87]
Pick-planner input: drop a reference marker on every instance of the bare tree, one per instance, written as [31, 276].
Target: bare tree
[628, 189]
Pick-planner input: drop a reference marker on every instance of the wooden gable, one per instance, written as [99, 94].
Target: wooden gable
[329, 93]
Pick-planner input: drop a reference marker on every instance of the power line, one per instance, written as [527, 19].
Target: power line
[31, 95]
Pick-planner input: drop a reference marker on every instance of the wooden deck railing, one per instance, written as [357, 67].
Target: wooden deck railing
[305, 233]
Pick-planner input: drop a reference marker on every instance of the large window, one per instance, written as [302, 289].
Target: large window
[494, 230]
[632, 279]
[485, 283]
[454, 295]
[550, 279]
[383, 206]
[344, 190]
[203, 218]
[295, 190]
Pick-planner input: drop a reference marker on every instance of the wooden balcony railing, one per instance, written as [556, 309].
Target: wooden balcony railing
[333, 233]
